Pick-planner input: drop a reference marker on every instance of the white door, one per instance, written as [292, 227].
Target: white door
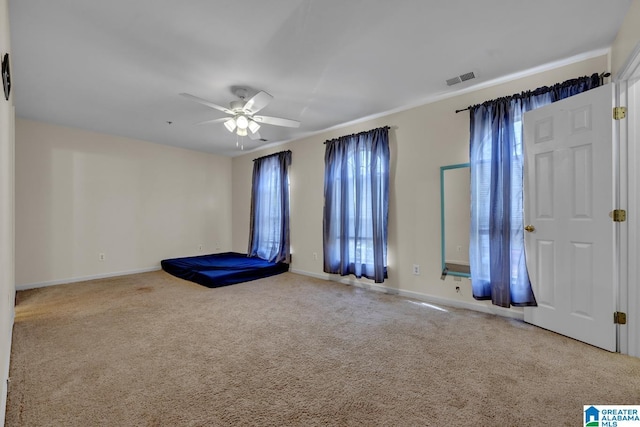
[569, 195]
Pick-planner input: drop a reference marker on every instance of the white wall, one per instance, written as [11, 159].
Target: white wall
[422, 139]
[7, 282]
[80, 193]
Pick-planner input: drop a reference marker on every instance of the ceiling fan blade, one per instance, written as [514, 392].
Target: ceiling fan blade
[207, 103]
[220, 120]
[277, 121]
[257, 102]
[254, 136]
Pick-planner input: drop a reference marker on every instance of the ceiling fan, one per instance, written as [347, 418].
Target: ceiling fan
[243, 120]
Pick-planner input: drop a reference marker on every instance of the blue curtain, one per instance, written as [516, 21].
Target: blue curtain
[497, 257]
[356, 204]
[269, 226]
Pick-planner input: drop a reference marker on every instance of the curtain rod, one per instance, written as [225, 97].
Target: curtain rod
[359, 133]
[602, 76]
[274, 154]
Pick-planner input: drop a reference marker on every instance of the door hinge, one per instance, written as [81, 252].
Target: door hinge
[618, 215]
[619, 318]
[619, 113]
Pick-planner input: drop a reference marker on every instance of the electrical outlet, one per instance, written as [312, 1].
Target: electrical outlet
[416, 269]
[459, 248]
[315, 256]
[200, 248]
[101, 256]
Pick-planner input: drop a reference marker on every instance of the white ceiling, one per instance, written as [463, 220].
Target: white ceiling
[117, 66]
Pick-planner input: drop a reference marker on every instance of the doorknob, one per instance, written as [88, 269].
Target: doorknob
[530, 228]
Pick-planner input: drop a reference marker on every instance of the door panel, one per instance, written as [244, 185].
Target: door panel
[544, 185]
[547, 280]
[569, 193]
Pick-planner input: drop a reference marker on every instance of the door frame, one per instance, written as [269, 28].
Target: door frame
[628, 132]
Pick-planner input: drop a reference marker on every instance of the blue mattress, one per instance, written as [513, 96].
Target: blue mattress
[222, 269]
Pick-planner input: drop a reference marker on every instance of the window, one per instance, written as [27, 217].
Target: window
[269, 233]
[356, 205]
[496, 250]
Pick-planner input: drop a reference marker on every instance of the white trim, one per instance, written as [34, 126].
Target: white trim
[629, 131]
[630, 295]
[484, 308]
[441, 96]
[4, 391]
[84, 278]
[622, 229]
[5, 371]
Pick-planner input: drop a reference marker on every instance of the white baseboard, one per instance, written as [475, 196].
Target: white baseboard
[476, 306]
[84, 278]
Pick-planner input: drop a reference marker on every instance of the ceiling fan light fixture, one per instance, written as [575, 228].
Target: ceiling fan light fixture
[253, 126]
[242, 122]
[230, 125]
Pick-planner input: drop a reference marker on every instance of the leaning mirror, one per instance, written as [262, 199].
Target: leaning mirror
[455, 214]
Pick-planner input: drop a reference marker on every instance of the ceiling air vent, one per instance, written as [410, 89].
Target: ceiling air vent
[462, 78]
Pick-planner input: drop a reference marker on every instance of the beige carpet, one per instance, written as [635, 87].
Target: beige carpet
[154, 350]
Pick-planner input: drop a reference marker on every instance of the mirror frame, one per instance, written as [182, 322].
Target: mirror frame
[442, 215]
